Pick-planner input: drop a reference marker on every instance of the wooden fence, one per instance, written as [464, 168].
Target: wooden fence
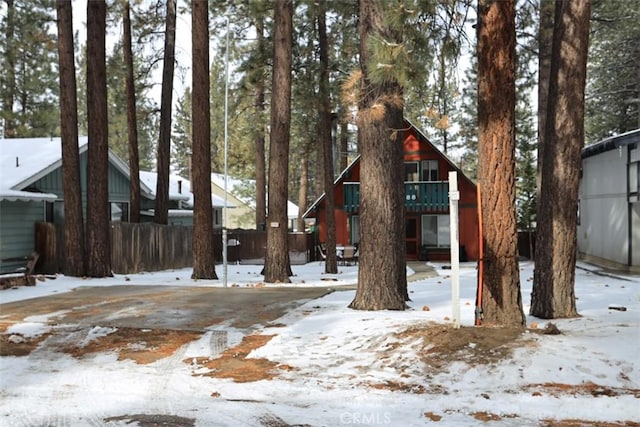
[153, 247]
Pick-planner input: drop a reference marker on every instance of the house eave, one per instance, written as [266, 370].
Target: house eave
[27, 196]
[611, 143]
[340, 177]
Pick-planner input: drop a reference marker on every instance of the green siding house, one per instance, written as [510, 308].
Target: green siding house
[31, 191]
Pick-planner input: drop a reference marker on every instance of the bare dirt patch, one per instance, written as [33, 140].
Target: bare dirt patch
[439, 345]
[489, 416]
[19, 345]
[233, 362]
[584, 389]
[145, 420]
[140, 345]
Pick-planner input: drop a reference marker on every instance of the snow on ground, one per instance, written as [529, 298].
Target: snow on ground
[344, 364]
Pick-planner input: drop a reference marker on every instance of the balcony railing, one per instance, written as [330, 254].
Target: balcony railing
[418, 196]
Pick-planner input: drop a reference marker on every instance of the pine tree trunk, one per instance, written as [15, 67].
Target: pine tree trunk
[318, 184]
[382, 277]
[326, 144]
[344, 145]
[545, 42]
[161, 214]
[302, 193]
[9, 73]
[98, 222]
[502, 302]
[554, 277]
[277, 265]
[260, 161]
[74, 261]
[132, 125]
[203, 254]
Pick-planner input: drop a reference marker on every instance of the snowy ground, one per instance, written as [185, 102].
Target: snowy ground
[326, 365]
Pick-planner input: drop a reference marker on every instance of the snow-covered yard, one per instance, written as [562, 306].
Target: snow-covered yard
[326, 365]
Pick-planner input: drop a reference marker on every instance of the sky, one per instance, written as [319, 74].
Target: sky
[344, 367]
[182, 76]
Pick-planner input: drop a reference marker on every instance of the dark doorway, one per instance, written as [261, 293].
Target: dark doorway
[412, 237]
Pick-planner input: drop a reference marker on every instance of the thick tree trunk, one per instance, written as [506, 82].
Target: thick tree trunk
[502, 301]
[326, 144]
[382, 276]
[545, 42]
[203, 254]
[554, 278]
[161, 214]
[277, 265]
[98, 222]
[260, 160]
[132, 125]
[74, 260]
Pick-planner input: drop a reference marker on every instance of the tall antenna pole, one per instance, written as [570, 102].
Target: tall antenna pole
[226, 149]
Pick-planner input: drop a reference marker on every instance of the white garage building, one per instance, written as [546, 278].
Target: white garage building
[609, 203]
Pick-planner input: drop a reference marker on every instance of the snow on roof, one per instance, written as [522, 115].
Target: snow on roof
[179, 189]
[235, 187]
[25, 160]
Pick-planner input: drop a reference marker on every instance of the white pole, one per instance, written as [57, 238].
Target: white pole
[226, 149]
[454, 196]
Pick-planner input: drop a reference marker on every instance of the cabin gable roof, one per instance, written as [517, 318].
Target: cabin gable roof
[418, 145]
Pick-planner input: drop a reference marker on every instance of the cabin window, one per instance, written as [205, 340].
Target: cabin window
[355, 229]
[435, 231]
[411, 172]
[119, 211]
[54, 212]
[430, 170]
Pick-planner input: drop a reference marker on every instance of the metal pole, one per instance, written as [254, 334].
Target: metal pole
[226, 149]
[454, 196]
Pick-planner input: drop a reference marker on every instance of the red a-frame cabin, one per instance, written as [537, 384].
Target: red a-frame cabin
[426, 203]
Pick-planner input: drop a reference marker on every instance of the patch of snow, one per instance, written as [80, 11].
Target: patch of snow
[337, 356]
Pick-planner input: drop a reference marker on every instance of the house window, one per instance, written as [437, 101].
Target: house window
[217, 217]
[411, 172]
[436, 231]
[355, 229]
[49, 212]
[430, 170]
[119, 211]
[55, 212]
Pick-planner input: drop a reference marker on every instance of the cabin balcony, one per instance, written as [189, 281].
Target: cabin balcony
[419, 196]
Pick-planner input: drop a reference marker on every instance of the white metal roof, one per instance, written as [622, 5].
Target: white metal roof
[179, 189]
[23, 161]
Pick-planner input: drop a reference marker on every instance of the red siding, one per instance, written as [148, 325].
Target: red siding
[416, 148]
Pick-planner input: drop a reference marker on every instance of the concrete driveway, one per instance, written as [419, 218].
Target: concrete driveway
[166, 307]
